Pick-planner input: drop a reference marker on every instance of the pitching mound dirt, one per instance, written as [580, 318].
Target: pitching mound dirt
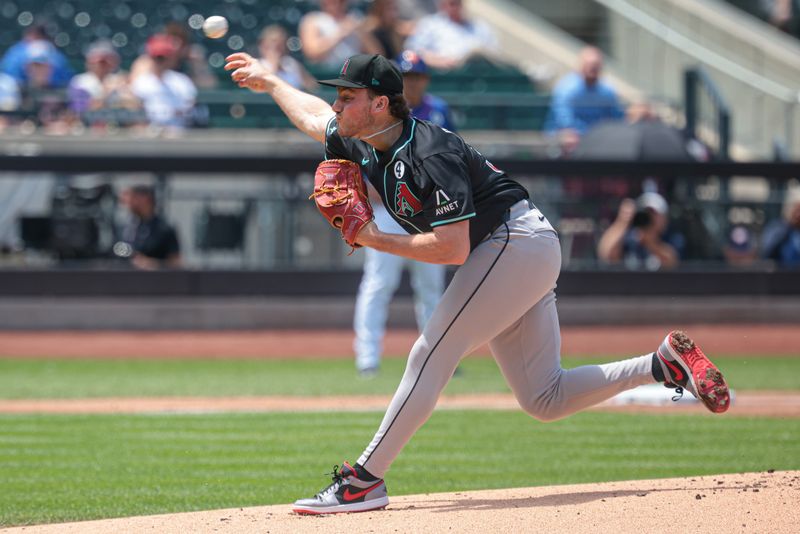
[751, 502]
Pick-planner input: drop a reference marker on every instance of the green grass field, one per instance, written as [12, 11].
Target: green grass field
[20, 379]
[59, 468]
[71, 467]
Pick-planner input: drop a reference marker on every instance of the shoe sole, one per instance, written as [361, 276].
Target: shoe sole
[710, 385]
[368, 506]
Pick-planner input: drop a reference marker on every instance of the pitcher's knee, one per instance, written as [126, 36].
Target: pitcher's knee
[544, 410]
[419, 352]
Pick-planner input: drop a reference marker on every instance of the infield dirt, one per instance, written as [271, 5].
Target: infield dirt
[746, 503]
[750, 403]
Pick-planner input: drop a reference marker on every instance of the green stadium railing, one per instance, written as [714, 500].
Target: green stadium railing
[488, 111]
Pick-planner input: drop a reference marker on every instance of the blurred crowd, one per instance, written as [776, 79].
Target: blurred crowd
[39, 85]
[41, 88]
[159, 88]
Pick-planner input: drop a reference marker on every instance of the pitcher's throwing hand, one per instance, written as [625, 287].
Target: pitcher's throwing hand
[248, 72]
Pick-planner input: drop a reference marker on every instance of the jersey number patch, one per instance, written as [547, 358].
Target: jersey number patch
[405, 203]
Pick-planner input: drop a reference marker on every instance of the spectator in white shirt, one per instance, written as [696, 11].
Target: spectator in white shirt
[274, 55]
[168, 96]
[9, 93]
[448, 39]
[332, 34]
[103, 85]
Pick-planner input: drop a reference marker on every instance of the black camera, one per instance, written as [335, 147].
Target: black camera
[642, 218]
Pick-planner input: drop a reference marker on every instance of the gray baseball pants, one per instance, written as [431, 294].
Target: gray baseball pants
[502, 295]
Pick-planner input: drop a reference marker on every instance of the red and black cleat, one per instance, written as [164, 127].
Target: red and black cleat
[352, 489]
[685, 366]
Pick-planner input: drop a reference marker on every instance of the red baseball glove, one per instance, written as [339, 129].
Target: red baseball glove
[341, 197]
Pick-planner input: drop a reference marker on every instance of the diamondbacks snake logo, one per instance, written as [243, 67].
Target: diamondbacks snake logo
[405, 203]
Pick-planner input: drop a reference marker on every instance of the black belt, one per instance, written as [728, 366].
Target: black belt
[507, 215]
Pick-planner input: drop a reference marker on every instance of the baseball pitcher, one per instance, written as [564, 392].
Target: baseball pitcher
[458, 209]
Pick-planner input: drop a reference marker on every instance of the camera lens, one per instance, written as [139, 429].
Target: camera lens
[641, 218]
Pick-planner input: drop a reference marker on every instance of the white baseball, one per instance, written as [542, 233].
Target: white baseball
[215, 26]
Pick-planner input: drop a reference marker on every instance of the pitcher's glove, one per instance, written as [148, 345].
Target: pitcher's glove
[341, 197]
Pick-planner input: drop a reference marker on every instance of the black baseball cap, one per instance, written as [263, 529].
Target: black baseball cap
[365, 71]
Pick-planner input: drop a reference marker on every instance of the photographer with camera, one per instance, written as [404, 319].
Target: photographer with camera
[639, 237]
[147, 240]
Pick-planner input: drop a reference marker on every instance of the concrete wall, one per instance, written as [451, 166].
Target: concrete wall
[537, 45]
[243, 313]
[580, 18]
[735, 48]
[540, 38]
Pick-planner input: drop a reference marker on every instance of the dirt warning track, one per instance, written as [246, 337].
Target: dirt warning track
[781, 340]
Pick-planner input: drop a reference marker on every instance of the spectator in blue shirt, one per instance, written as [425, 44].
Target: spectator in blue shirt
[781, 239]
[35, 43]
[582, 99]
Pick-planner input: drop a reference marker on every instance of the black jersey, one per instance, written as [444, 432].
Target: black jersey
[153, 238]
[431, 177]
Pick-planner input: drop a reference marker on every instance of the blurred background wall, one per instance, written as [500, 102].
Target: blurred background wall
[700, 83]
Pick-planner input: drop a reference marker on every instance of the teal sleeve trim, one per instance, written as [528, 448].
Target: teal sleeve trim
[327, 130]
[448, 221]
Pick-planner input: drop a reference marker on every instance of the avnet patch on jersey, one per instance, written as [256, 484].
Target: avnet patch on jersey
[444, 204]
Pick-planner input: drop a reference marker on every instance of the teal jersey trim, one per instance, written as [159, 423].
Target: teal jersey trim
[327, 128]
[448, 221]
[386, 169]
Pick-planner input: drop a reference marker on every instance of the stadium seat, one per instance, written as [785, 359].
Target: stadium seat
[73, 24]
[483, 95]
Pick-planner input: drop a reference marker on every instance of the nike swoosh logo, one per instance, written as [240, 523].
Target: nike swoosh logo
[677, 370]
[347, 496]
[365, 161]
